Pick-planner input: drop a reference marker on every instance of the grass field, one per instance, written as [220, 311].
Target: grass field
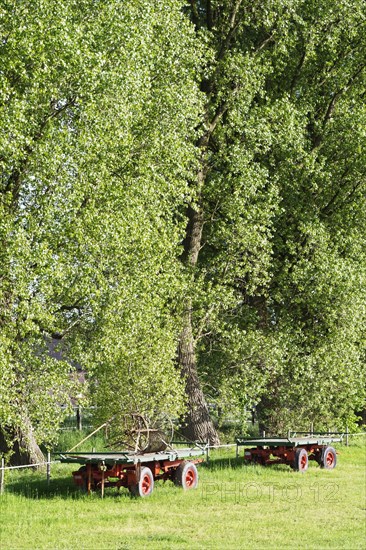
[235, 506]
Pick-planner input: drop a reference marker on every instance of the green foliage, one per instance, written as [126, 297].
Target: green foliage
[107, 113]
[280, 307]
[97, 117]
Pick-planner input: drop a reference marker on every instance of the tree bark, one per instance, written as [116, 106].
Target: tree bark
[198, 425]
[20, 444]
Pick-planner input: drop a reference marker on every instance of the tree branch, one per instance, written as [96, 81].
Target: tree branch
[194, 12]
[14, 180]
[264, 43]
[232, 28]
[210, 22]
[332, 104]
[297, 71]
[219, 113]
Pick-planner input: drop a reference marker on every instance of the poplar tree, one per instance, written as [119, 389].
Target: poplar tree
[275, 236]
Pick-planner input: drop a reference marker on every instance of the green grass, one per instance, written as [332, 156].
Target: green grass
[235, 506]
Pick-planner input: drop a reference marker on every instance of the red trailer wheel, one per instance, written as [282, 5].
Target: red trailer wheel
[186, 475]
[328, 458]
[301, 461]
[145, 486]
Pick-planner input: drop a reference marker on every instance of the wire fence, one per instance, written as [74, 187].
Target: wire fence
[46, 463]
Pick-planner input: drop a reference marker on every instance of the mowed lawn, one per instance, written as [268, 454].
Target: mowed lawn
[235, 506]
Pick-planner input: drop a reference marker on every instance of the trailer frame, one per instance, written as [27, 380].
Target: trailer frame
[293, 451]
[135, 471]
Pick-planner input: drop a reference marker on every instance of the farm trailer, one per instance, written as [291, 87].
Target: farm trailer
[136, 471]
[293, 451]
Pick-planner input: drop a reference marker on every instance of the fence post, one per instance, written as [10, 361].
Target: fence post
[79, 423]
[48, 467]
[208, 451]
[2, 475]
[347, 432]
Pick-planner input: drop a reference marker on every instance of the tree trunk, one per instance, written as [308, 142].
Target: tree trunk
[21, 445]
[198, 425]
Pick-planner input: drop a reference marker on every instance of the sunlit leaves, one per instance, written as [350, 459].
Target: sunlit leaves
[283, 254]
[99, 105]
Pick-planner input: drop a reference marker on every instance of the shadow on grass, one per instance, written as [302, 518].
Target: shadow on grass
[218, 463]
[225, 463]
[59, 487]
[64, 488]
[39, 488]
